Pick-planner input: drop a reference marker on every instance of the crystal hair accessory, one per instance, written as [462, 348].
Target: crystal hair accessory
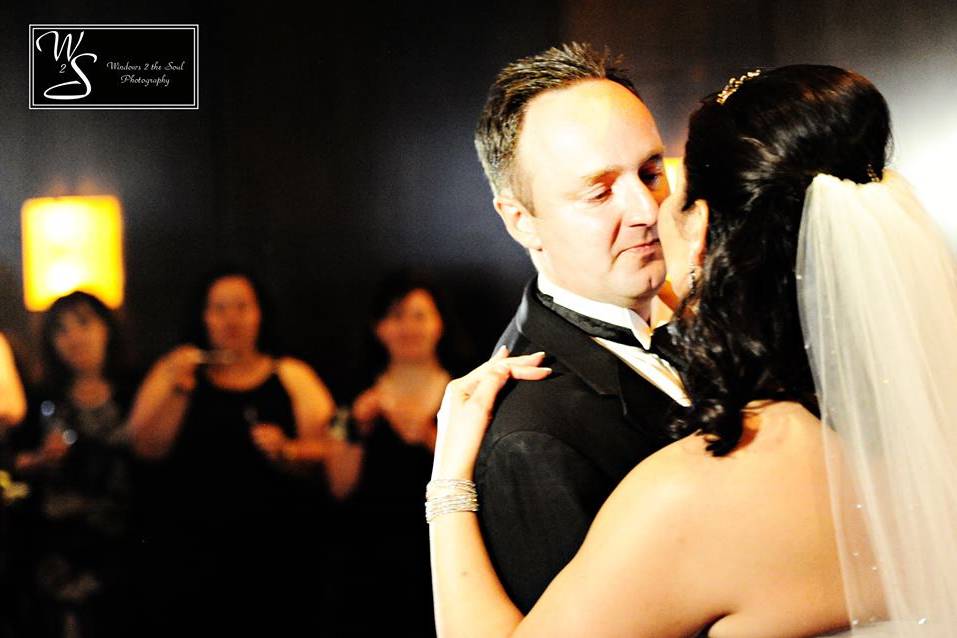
[734, 84]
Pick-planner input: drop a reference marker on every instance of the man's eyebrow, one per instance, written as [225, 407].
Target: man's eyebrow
[599, 175]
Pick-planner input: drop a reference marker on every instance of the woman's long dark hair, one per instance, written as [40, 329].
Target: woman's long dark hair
[752, 159]
[57, 375]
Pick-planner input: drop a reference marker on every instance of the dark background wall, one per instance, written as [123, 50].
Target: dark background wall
[331, 147]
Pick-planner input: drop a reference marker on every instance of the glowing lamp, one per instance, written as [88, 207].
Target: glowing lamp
[672, 166]
[72, 243]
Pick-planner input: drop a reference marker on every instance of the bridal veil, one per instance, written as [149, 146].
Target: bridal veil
[877, 291]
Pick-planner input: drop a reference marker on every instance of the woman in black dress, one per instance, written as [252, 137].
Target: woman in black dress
[393, 421]
[238, 513]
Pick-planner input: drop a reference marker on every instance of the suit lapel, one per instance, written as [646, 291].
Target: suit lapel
[643, 405]
[566, 344]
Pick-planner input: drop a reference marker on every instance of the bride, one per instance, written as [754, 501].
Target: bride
[814, 489]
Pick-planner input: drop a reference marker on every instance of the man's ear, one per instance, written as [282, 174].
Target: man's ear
[696, 231]
[519, 221]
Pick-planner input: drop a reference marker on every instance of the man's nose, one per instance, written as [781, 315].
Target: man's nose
[641, 206]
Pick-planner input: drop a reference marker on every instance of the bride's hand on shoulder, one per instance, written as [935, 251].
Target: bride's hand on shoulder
[467, 410]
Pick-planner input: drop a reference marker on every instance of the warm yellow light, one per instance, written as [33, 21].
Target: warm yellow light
[72, 243]
[672, 166]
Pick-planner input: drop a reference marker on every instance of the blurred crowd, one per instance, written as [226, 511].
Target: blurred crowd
[226, 489]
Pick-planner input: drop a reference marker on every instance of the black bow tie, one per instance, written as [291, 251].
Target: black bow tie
[661, 343]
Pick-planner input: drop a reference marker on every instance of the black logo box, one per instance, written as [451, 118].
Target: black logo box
[148, 66]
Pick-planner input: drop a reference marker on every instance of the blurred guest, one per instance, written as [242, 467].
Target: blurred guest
[408, 389]
[394, 421]
[74, 453]
[13, 405]
[238, 516]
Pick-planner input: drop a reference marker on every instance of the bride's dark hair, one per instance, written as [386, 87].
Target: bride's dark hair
[752, 159]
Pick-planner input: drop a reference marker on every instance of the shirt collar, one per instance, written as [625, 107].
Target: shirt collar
[610, 313]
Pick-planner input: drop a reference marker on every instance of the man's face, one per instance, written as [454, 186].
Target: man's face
[591, 158]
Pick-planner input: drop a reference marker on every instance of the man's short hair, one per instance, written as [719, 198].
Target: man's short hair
[499, 126]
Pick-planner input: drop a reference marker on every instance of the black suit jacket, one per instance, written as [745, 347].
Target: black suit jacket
[556, 448]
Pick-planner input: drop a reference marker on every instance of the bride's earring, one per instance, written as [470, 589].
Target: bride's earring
[692, 279]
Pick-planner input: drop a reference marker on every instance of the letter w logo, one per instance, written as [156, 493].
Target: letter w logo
[72, 57]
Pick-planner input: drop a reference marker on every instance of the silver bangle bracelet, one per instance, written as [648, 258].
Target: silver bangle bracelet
[447, 496]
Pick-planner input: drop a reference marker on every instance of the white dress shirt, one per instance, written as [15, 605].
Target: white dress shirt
[650, 367]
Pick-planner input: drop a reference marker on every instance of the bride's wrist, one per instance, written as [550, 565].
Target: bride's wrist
[453, 471]
[451, 463]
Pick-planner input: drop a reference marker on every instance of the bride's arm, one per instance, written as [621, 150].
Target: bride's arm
[469, 599]
[645, 568]
[637, 574]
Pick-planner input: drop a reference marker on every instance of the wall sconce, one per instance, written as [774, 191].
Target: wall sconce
[72, 243]
[672, 166]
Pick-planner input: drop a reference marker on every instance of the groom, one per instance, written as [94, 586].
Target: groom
[576, 168]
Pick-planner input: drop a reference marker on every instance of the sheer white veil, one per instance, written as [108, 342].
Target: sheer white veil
[877, 291]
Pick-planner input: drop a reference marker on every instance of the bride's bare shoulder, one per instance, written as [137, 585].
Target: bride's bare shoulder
[780, 449]
[701, 538]
[741, 542]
